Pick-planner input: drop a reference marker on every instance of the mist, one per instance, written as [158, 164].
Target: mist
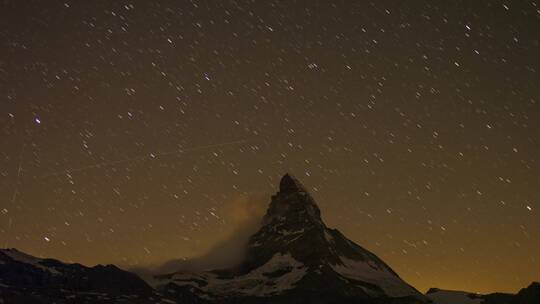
[244, 214]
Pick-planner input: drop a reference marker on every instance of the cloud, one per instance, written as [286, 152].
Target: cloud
[243, 216]
[246, 211]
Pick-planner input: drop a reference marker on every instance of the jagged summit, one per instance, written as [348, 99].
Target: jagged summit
[289, 183]
[292, 204]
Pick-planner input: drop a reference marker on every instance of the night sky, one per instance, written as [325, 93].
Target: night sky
[135, 132]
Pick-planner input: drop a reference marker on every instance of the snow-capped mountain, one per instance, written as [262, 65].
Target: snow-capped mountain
[295, 256]
[28, 279]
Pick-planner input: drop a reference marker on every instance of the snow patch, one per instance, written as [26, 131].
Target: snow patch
[369, 272]
[329, 238]
[287, 232]
[280, 273]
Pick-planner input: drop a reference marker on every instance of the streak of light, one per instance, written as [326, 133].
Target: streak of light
[143, 157]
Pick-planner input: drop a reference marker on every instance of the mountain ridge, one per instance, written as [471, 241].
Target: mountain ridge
[29, 279]
[527, 295]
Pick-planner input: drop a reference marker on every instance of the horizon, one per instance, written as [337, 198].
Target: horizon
[138, 132]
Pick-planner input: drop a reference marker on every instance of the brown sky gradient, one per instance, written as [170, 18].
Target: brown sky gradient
[128, 128]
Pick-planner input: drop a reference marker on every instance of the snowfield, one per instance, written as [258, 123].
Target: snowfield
[259, 282]
[367, 271]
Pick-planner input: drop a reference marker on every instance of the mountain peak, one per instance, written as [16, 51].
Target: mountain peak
[292, 203]
[289, 183]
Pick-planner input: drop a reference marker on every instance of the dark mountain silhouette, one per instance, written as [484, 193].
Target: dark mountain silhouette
[527, 295]
[28, 279]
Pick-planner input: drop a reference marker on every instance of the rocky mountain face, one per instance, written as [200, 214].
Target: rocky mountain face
[295, 256]
[27, 279]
